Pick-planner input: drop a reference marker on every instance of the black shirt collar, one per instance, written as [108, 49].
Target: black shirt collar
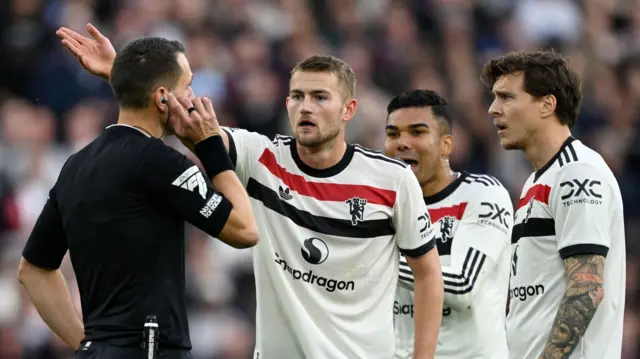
[322, 173]
[447, 191]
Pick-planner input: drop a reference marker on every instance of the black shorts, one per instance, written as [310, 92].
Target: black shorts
[104, 351]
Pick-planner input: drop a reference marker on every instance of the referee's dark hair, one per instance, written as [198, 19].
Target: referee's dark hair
[142, 65]
[424, 98]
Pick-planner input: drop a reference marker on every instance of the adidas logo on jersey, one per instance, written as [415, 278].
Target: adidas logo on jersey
[192, 179]
[284, 193]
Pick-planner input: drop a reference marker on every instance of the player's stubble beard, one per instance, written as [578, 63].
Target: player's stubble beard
[321, 138]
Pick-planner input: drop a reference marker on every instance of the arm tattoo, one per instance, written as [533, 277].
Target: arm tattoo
[584, 293]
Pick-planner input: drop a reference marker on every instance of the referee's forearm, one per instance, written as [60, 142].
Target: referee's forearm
[50, 296]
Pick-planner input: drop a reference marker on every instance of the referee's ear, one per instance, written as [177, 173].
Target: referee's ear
[161, 100]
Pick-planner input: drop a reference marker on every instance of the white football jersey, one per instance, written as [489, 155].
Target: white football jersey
[570, 206]
[473, 217]
[326, 266]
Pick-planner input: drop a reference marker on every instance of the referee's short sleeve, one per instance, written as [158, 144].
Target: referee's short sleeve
[47, 243]
[175, 182]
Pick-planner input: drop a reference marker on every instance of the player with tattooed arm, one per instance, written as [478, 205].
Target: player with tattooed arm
[566, 302]
[472, 216]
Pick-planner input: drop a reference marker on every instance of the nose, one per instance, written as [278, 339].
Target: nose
[494, 109]
[306, 107]
[403, 143]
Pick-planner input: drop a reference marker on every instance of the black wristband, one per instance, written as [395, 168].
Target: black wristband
[213, 155]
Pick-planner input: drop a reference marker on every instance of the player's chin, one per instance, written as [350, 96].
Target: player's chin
[308, 139]
[510, 144]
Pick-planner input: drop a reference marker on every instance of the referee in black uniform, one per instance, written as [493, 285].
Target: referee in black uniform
[119, 207]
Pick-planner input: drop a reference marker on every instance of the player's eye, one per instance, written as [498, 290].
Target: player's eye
[392, 134]
[296, 97]
[417, 133]
[321, 97]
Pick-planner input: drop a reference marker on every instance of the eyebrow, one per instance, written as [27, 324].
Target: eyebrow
[313, 92]
[411, 127]
[501, 93]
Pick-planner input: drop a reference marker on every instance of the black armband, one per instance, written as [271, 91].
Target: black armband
[213, 155]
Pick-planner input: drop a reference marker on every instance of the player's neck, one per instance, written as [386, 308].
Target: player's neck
[545, 144]
[141, 120]
[323, 157]
[444, 177]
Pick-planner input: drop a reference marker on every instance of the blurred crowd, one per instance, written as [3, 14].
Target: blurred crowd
[241, 52]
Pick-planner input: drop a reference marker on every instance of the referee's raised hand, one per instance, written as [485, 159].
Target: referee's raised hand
[194, 119]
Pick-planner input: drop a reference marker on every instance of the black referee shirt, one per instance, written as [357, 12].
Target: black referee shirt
[119, 207]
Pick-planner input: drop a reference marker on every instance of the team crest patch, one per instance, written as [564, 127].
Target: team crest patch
[446, 229]
[356, 209]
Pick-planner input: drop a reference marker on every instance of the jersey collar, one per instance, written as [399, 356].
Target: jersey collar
[447, 191]
[553, 159]
[128, 126]
[324, 173]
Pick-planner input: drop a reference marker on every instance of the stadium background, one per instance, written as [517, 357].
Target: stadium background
[240, 52]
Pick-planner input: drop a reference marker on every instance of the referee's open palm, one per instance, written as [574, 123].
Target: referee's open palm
[96, 55]
[194, 119]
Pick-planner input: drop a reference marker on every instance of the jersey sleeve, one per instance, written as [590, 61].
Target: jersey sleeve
[581, 203]
[411, 220]
[481, 238]
[47, 243]
[178, 185]
[245, 149]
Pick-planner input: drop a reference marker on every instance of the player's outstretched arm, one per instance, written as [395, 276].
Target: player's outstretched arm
[40, 275]
[96, 54]
[584, 293]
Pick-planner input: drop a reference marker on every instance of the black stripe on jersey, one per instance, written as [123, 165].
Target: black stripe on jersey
[463, 283]
[233, 154]
[585, 248]
[285, 140]
[533, 227]
[405, 272]
[486, 180]
[377, 155]
[325, 225]
[567, 155]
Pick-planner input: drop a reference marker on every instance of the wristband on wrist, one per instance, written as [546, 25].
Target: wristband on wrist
[213, 155]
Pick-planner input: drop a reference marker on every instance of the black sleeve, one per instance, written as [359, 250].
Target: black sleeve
[47, 243]
[177, 183]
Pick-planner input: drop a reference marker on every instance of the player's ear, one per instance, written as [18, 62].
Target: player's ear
[350, 109]
[547, 106]
[446, 145]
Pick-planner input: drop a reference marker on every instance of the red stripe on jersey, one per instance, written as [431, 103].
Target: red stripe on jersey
[455, 211]
[539, 192]
[326, 191]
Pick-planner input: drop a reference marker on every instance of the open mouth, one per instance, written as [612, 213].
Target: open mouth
[501, 127]
[306, 123]
[413, 163]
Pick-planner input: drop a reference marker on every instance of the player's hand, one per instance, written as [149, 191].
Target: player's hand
[192, 120]
[96, 54]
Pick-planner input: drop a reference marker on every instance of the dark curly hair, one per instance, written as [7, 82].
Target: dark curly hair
[545, 73]
[423, 98]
